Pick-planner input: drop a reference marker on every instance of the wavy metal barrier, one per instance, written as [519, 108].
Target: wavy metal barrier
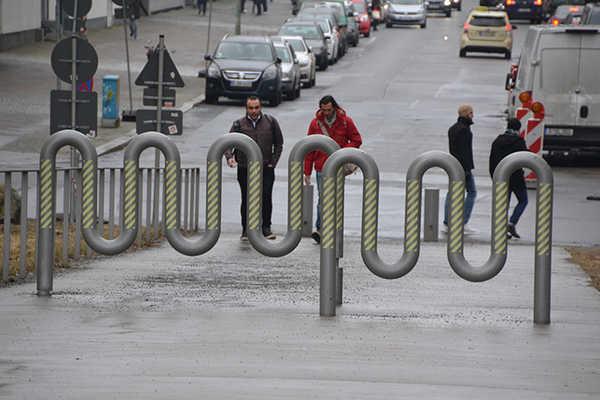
[331, 277]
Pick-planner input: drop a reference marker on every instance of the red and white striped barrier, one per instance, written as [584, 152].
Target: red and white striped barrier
[531, 116]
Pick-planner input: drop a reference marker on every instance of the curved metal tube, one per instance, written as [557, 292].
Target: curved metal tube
[293, 234]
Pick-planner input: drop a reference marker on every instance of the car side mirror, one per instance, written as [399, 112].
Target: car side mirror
[309, 49]
[277, 60]
[513, 26]
[508, 84]
[296, 61]
[202, 73]
[208, 57]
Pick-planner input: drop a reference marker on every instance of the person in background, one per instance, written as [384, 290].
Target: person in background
[201, 4]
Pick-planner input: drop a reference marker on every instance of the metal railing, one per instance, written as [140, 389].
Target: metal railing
[20, 235]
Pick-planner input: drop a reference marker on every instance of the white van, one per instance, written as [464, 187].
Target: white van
[560, 67]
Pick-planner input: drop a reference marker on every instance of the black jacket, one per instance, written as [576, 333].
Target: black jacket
[507, 143]
[460, 140]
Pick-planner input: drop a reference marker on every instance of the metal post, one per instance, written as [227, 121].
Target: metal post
[111, 203]
[66, 213]
[24, 230]
[6, 250]
[127, 56]
[238, 17]
[210, 5]
[74, 155]
[431, 215]
[148, 205]
[307, 210]
[161, 60]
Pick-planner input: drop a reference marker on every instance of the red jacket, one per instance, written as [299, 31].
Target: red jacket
[343, 131]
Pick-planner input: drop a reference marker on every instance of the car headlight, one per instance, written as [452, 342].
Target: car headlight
[286, 76]
[446, 2]
[270, 72]
[213, 71]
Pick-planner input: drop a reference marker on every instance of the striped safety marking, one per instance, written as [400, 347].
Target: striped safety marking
[413, 205]
[254, 194]
[171, 194]
[457, 211]
[212, 193]
[328, 207]
[500, 210]
[544, 217]
[296, 196]
[88, 171]
[339, 222]
[130, 193]
[370, 215]
[46, 215]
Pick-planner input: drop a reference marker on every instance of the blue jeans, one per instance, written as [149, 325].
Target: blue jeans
[469, 201]
[521, 194]
[319, 187]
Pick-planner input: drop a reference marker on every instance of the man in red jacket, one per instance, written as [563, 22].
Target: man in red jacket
[330, 120]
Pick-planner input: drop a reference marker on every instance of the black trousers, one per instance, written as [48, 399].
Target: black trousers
[267, 194]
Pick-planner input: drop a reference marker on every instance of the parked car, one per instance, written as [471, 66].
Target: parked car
[313, 34]
[566, 15]
[591, 14]
[440, 6]
[306, 58]
[243, 66]
[457, 4]
[550, 6]
[353, 32]
[406, 12]
[361, 13]
[322, 10]
[558, 67]
[487, 31]
[532, 10]
[290, 68]
[330, 32]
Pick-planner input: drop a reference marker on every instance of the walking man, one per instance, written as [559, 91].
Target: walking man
[507, 143]
[460, 140]
[331, 120]
[265, 131]
[201, 7]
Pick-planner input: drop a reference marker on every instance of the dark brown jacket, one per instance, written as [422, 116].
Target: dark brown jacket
[267, 135]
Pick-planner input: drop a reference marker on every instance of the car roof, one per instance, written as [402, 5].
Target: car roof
[244, 38]
[304, 22]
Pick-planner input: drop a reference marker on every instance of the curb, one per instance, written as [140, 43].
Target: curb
[120, 143]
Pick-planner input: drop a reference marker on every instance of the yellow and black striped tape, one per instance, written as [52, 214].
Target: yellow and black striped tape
[457, 196]
[370, 215]
[339, 216]
[413, 205]
[328, 212]
[130, 193]
[46, 212]
[88, 171]
[500, 210]
[254, 194]
[544, 219]
[296, 196]
[212, 193]
[171, 194]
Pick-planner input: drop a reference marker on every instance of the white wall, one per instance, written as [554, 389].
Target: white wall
[20, 15]
[157, 5]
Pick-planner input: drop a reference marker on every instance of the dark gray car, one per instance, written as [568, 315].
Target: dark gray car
[313, 35]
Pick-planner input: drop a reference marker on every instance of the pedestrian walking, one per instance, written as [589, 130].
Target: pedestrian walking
[375, 13]
[201, 4]
[507, 143]
[134, 15]
[331, 120]
[265, 131]
[460, 141]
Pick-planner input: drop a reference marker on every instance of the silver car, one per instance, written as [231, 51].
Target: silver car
[306, 58]
[406, 12]
[290, 68]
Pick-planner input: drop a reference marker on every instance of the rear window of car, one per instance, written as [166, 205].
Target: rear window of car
[297, 45]
[484, 20]
[306, 31]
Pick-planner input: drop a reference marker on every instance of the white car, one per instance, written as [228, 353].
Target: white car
[306, 58]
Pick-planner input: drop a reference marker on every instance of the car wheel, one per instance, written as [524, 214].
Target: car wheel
[448, 13]
[508, 55]
[368, 33]
[459, 8]
[211, 98]
[297, 91]
[324, 65]
[275, 100]
[313, 81]
[462, 53]
[424, 25]
[388, 24]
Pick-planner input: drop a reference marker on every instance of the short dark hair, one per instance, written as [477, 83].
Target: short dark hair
[513, 123]
[253, 98]
[327, 100]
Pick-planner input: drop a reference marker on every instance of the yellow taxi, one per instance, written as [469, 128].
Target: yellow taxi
[487, 31]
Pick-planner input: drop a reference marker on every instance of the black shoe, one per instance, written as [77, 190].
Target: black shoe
[268, 234]
[316, 236]
[513, 231]
[244, 236]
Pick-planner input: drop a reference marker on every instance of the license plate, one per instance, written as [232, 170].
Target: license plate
[486, 33]
[559, 131]
[576, 20]
[241, 83]
[524, 10]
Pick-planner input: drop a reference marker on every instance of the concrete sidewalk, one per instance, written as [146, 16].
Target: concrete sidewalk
[26, 77]
[233, 324]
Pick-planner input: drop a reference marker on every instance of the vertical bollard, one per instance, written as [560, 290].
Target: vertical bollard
[431, 215]
[307, 209]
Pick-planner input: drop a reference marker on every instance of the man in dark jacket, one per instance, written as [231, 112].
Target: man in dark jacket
[460, 141]
[265, 131]
[507, 143]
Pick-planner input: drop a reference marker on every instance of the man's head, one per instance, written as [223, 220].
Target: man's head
[514, 124]
[253, 107]
[465, 111]
[328, 105]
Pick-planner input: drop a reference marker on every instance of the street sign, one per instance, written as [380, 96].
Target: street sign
[86, 115]
[149, 74]
[62, 58]
[171, 121]
[83, 7]
[151, 97]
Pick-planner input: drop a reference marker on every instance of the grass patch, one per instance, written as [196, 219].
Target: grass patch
[588, 258]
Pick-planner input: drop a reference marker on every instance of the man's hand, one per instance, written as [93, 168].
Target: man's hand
[231, 162]
[307, 179]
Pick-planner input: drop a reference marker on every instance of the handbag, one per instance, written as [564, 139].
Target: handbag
[348, 168]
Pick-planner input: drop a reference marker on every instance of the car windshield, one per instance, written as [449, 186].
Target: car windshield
[297, 45]
[359, 8]
[481, 20]
[306, 31]
[283, 53]
[562, 11]
[244, 51]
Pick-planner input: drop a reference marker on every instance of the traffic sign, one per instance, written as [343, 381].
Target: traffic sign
[83, 7]
[149, 74]
[86, 115]
[62, 58]
[151, 97]
[171, 121]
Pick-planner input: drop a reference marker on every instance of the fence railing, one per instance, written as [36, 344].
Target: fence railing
[20, 214]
